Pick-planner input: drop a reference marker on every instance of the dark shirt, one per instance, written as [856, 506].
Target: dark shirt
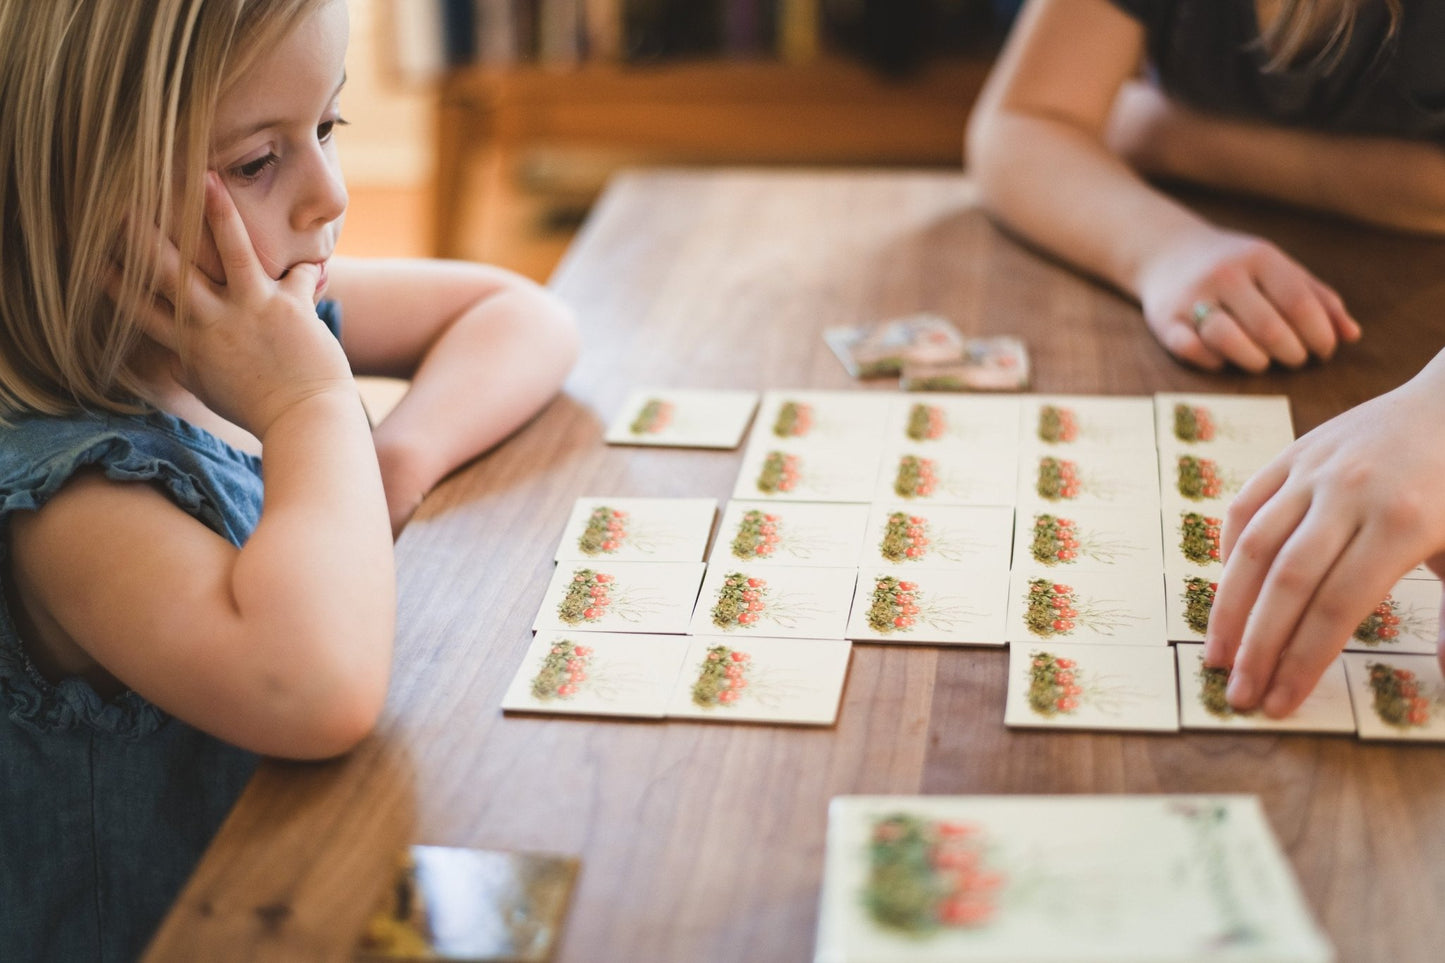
[1206, 54]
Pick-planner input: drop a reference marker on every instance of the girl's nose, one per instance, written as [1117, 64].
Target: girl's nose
[325, 197]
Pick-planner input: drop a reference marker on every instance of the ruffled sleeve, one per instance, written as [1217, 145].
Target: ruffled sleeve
[200, 474]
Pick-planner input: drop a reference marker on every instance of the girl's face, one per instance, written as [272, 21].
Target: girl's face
[274, 150]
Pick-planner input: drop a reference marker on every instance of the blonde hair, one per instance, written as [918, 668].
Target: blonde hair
[106, 108]
[1315, 32]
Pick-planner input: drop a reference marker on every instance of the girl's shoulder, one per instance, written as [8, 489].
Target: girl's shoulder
[218, 484]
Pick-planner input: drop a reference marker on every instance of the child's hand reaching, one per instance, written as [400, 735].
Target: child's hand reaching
[254, 346]
[1216, 296]
[1319, 536]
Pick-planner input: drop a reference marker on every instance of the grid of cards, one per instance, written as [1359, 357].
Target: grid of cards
[1040, 522]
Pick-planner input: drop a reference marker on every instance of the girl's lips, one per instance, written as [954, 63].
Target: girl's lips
[321, 279]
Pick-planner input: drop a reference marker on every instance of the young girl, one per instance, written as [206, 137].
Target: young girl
[1335, 105]
[171, 201]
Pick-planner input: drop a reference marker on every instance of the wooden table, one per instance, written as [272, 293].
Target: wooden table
[705, 842]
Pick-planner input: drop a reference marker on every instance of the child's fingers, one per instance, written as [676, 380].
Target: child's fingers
[300, 281]
[1262, 486]
[238, 256]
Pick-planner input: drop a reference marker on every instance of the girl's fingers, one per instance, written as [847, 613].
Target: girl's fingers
[1354, 584]
[1261, 487]
[1245, 572]
[300, 282]
[1288, 289]
[1292, 596]
[238, 257]
[1221, 332]
[1262, 321]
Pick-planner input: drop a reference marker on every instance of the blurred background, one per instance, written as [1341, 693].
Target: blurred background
[485, 129]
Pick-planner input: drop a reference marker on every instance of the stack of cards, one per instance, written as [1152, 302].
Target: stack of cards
[928, 353]
[1038, 879]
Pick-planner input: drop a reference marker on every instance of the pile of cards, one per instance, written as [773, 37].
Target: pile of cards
[928, 353]
[1029, 879]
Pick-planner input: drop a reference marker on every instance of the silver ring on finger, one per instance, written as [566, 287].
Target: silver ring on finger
[1200, 311]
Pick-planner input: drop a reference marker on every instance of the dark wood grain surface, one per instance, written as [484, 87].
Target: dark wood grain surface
[705, 842]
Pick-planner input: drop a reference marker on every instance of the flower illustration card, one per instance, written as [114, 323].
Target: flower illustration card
[755, 600]
[1422, 571]
[807, 474]
[907, 537]
[1083, 421]
[1078, 538]
[620, 597]
[830, 419]
[1112, 608]
[597, 673]
[943, 421]
[944, 606]
[1207, 482]
[1044, 879]
[1095, 477]
[1406, 620]
[1188, 600]
[790, 533]
[1192, 538]
[1202, 704]
[638, 529]
[1091, 687]
[1204, 421]
[683, 418]
[1397, 696]
[956, 475]
[727, 679]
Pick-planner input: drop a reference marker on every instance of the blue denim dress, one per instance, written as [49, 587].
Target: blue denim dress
[107, 806]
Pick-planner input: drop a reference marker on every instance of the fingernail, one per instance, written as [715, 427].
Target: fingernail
[1240, 689]
[1278, 702]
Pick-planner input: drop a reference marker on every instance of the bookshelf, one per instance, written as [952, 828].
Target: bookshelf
[797, 103]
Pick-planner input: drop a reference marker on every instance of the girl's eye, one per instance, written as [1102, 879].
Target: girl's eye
[252, 170]
[326, 128]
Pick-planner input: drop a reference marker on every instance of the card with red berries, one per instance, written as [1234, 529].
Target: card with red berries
[1398, 697]
[683, 418]
[1202, 421]
[1206, 482]
[648, 597]
[1406, 620]
[827, 419]
[939, 421]
[770, 534]
[794, 602]
[638, 529]
[1070, 686]
[1061, 422]
[730, 679]
[597, 674]
[1188, 600]
[1112, 608]
[1040, 879]
[906, 537]
[1203, 704]
[1082, 538]
[1088, 477]
[805, 473]
[954, 475]
[937, 606]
